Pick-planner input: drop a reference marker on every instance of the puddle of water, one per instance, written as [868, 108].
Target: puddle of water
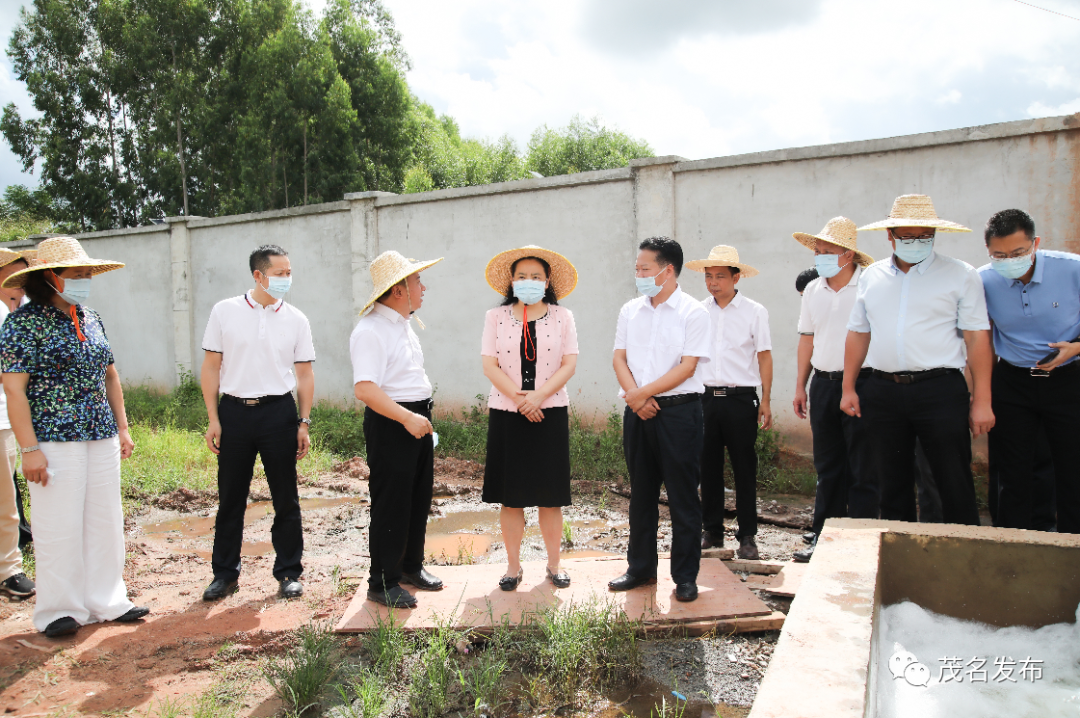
[196, 526]
[458, 547]
[463, 535]
[248, 548]
[648, 698]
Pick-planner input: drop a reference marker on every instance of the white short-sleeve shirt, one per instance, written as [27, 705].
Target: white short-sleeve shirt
[916, 320]
[657, 338]
[258, 345]
[386, 351]
[824, 314]
[736, 334]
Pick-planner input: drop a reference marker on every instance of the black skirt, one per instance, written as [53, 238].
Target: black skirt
[528, 464]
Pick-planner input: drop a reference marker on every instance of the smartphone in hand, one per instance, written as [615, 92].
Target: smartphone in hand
[1049, 357]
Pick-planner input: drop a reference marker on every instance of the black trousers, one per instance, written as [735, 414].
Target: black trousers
[731, 422]
[267, 431]
[25, 536]
[936, 412]
[839, 454]
[1043, 505]
[402, 476]
[1026, 406]
[929, 500]
[664, 450]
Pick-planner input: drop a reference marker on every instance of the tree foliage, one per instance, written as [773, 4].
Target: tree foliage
[582, 146]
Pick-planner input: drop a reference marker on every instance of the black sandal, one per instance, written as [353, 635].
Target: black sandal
[560, 579]
[509, 583]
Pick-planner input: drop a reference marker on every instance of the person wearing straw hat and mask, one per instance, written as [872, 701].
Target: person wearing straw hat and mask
[823, 317]
[66, 407]
[529, 352]
[13, 580]
[740, 362]
[660, 339]
[257, 351]
[389, 378]
[919, 318]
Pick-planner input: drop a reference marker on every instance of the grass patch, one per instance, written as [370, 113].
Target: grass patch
[301, 676]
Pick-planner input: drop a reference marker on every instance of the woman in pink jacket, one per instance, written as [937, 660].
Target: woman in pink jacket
[529, 351]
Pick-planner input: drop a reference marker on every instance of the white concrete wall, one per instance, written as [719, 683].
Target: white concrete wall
[156, 309]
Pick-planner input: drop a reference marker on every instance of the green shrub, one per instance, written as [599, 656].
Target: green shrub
[300, 677]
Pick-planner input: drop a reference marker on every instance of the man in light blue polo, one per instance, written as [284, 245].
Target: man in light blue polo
[1033, 298]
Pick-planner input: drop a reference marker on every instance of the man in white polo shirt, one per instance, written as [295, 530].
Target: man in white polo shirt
[740, 361]
[258, 349]
[918, 318]
[659, 340]
[842, 484]
[389, 377]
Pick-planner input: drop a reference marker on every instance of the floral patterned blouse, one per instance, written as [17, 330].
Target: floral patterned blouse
[66, 389]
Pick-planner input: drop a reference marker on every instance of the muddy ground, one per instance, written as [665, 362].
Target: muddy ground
[187, 647]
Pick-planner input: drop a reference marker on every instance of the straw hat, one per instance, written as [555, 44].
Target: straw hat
[388, 269]
[722, 256]
[8, 256]
[58, 253]
[915, 210]
[839, 231]
[563, 273]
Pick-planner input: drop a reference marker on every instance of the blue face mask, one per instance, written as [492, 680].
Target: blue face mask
[915, 252]
[529, 291]
[648, 286]
[1013, 267]
[828, 265]
[76, 291]
[278, 287]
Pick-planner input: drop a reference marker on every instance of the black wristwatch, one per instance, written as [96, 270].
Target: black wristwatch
[304, 421]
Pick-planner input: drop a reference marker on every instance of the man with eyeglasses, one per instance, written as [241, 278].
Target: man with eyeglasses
[918, 318]
[1033, 297]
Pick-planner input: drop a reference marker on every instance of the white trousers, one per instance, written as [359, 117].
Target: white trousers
[10, 556]
[79, 534]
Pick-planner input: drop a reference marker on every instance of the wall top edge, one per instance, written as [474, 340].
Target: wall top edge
[662, 160]
[977, 133]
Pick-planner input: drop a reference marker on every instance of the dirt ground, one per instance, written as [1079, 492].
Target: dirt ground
[187, 647]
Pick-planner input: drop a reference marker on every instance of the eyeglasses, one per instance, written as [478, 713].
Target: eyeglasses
[925, 238]
[1015, 255]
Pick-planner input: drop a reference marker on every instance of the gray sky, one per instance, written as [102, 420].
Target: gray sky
[704, 78]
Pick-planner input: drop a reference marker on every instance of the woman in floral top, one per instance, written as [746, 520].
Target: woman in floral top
[67, 411]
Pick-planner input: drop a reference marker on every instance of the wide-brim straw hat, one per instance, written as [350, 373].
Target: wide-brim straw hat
[388, 269]
[722, 256]
[59, 253]
[563, 277]
[7, 256]
[915, 210]
[839, 231]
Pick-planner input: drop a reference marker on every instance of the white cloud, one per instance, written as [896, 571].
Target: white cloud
[950, 98]
[1038, 109]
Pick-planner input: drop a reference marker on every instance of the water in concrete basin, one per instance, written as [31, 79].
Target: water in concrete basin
[934, 666]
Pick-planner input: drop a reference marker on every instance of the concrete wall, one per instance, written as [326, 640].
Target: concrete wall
[155, 310]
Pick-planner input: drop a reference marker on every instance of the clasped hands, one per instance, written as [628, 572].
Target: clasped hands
[641, 403]
[528, 405]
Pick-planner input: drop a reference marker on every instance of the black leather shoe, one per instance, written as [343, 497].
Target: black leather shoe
[686, 591]
[805, 554]
[290, 588]
[423, 580]
[560, 579]
[809, 537]
[134, 614]
[748, 549]
[509, 583]
[711, 540]
[219, 588]
[394, 597]
[62, 627]
[629, 581]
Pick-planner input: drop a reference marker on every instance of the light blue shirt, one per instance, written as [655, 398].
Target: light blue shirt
[916, 320]
[1028, 317]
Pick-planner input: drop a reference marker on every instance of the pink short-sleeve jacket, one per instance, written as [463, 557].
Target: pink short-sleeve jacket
[556, 336]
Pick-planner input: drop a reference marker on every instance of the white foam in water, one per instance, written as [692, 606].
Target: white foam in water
[928, 667]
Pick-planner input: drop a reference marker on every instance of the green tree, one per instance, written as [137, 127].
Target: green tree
[24, 212]
[582, 146]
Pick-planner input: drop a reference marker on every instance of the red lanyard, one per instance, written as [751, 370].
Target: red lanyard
[528, 339]
[78, 329]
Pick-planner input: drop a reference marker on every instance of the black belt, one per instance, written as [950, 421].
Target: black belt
[729, 390]
[665, 401]
[911, 377]
[255, 401]
[421, 405]
[1043, 373]
[838, 375]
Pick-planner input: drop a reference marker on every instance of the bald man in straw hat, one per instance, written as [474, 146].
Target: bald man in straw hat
[389, 377]
[740, 361]
[823, 317]
[918, 318]
[13, 580]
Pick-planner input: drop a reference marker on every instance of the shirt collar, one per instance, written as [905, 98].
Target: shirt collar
[1040, 264]
[921, 267]
[674, 301]
[387, 313]
[250, 299]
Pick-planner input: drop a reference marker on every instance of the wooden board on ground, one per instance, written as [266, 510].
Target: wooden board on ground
[472, 598]
[783, 584]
